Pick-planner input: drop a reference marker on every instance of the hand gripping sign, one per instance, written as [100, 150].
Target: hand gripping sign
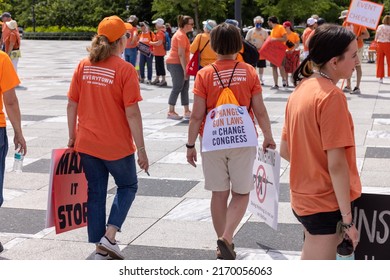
[229, 124]
[264, 199]
[67, 201]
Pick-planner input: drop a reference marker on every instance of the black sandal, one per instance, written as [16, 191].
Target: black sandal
[226, 249]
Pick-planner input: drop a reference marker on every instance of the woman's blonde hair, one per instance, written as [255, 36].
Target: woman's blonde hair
[101, 49]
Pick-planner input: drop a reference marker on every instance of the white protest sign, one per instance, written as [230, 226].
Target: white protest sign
[228, 126]
[264, 199]
[365, 13]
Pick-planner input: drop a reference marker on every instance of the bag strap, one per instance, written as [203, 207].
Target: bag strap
[219, 77]
[204, 46]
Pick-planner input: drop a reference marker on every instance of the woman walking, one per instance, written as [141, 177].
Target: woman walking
[227, 171]
[105, 127]
[318, 141]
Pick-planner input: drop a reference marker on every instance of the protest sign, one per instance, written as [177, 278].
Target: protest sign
[67, 201]
[264, 199]
[365, 13]
[273, 51]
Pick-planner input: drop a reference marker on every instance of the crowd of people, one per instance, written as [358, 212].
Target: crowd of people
[105, 123]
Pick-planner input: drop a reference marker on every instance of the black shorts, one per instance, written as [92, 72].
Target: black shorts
[320, 223]
[261, 63]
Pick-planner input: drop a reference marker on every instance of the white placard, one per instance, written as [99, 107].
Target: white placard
[264, 199]
[365, 13]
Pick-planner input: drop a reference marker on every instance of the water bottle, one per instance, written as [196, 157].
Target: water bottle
[345, 250]
[18, 162]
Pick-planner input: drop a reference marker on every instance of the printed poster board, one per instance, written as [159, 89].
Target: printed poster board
[372, 220]
[67, 201]
[365, 13]
[264, 199]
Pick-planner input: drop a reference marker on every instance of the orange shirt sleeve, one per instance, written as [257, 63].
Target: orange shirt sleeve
[335, 122]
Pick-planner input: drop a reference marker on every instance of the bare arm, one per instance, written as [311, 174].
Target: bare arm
[183, 61]
[284, 153]
[339, 173]
[11, 104]
[156, 43]
[72, 120]
[134, 119]
[263, 120]
[197, 115]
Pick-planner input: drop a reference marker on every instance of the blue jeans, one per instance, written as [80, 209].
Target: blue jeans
[131, 55]
[3, 154]
[97, 171]
[149, 63]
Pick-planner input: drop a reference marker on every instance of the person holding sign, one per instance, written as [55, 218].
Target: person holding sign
[105, 128]
[228, 133]
[279, 34]
[8, 81]
[361, 33]
[318, 141]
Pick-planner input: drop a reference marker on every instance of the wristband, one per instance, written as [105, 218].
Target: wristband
[346, 226]
[190, 146]
[140, 149]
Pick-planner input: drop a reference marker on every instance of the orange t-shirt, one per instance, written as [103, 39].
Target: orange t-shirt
[103, 90]
[208, 55]
[13, 38]
[278, 31]
[293, 37]
[146, 38]
[179, 39]
[357, 30]
[239, 55]
[159, 50]
[317, 119]
[245, 83]
[307, 33]
[133, 31]
[8, 80]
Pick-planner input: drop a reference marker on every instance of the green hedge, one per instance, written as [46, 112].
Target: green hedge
[58, 35]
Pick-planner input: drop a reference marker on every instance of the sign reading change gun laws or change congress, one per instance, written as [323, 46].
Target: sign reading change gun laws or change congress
[228, 126]
[264, 199]
[365, 13]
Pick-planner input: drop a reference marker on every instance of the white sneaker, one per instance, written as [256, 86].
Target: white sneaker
[381, 80]
[111, 248]
[101, 257]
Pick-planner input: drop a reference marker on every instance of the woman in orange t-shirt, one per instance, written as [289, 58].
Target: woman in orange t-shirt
[177, 60]
[105, 127]
[8, 81]
[146, 37]
[227, 171]
[159, 52]
[318, 141]
[201, 43]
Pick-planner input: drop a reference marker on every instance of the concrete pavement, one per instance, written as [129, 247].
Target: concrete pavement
[170, 217]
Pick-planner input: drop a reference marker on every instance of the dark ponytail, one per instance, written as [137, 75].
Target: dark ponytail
[328, 41]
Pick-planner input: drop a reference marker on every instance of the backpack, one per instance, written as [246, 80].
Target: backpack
[250, 54]
[167, 42]
[228, 125]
